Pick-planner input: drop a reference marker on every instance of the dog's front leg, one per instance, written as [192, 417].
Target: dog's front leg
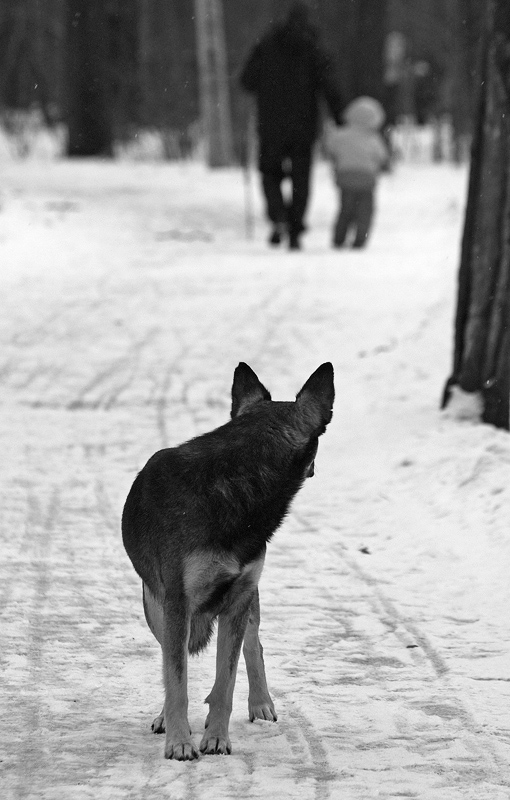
[260, 705]
[178, 743]
[231, 628]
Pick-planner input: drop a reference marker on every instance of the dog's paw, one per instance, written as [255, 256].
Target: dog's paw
[181, 751]
[215, 745]
[264, 710]
[158, 724]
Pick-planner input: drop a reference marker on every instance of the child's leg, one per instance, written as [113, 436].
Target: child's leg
[345, 217]
[364, 216]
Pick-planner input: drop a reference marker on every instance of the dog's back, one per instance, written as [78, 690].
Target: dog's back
[227, 490]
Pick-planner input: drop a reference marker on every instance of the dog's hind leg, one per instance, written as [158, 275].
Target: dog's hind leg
[260, 705]
[154, 616]
[178, 743]
[231, 627]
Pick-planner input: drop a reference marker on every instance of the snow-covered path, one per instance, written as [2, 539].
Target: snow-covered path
[129, 295]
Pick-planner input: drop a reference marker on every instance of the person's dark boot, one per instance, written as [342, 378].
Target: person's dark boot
[277, 234]
[294, 242]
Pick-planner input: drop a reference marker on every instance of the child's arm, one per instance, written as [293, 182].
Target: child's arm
[330, 146]
[328, 135]
[383, 153]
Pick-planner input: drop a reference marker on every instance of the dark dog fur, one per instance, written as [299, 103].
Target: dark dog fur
[195, 525]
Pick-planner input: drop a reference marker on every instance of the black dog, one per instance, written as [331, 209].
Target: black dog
[195, 525]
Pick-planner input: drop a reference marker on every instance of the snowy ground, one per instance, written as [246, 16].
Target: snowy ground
[129, 294]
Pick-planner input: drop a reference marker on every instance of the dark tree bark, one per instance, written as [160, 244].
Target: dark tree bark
[367, 54]
[482, 324]
[88, 113]
[354, 31]
[31, 56]
[168, 64]
[214, 91]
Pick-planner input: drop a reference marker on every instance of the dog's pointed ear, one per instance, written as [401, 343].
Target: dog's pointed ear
[316, 397]
[246, 390]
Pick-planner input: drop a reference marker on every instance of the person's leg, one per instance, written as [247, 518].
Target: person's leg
[272, 174]
[301, 161]
[364, 216]
[345, 218]
[272, 187]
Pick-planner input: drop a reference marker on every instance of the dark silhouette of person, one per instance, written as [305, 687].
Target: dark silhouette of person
[288, 72]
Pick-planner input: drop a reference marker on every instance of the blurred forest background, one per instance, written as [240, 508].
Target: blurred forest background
[107, 69]
[119, 77]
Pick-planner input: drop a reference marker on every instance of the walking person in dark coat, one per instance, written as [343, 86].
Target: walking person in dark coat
[288, 72]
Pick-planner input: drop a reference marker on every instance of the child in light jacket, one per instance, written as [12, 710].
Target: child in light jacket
[358, 153]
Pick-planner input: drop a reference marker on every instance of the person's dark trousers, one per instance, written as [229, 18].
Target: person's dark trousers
[272, 187]
[292, 161]
[300, 161]
[356, 212]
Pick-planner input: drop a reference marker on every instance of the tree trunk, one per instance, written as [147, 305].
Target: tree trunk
[89, 122]
[482, 343]
[354, 33]
[213, 82]
[367, 53]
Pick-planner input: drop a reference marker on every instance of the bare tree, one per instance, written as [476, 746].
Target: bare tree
[88, 112]
[31, 55]
[213, 81]
[482, 324]
[167, 65]
[354, 32]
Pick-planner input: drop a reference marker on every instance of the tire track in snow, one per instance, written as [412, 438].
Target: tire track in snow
[272, 349]
[384, 609]
[203, 348]
[407, 631]
[303, 731]
[125, 366]
[104, 389]
[40, 527]
[34, 335]
[28, 544]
